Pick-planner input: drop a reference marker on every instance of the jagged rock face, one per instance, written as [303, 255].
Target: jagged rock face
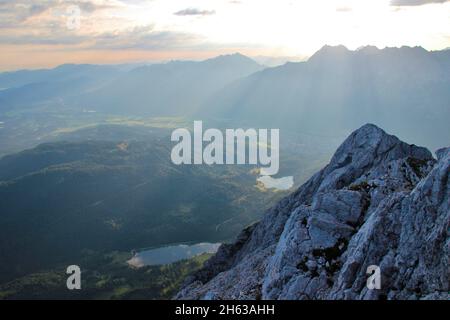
[378, 202]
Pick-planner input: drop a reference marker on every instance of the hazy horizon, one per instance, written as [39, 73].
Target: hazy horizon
[265, 61]
[55, 32]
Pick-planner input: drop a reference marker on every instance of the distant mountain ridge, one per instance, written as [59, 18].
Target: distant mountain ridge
[405, 90]
[25, 88]
[175, 88]
[171, 88]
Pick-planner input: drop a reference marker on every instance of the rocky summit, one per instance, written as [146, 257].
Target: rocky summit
[379, 202]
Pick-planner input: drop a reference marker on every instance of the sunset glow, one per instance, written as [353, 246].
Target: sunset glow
[36, 34]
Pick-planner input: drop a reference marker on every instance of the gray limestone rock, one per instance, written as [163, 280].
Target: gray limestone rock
[378, 202]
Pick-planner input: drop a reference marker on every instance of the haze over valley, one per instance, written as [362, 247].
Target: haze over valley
[98, 140]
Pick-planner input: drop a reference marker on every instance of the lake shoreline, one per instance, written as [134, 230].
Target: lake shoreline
[171, 253]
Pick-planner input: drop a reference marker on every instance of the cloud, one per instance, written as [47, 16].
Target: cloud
[145, 38]
[91, 7]
[408, 3]
[194, 12]
[46, 23]
[15, 13]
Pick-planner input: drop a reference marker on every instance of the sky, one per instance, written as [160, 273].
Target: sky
[46, 33]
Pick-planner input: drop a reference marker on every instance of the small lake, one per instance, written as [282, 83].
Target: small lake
[170, 254]
[279, 184]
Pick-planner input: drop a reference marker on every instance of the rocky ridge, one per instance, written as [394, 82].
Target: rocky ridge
[378, 202]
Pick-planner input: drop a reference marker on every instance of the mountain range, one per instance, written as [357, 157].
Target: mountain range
[172, 88]
[405, 90]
